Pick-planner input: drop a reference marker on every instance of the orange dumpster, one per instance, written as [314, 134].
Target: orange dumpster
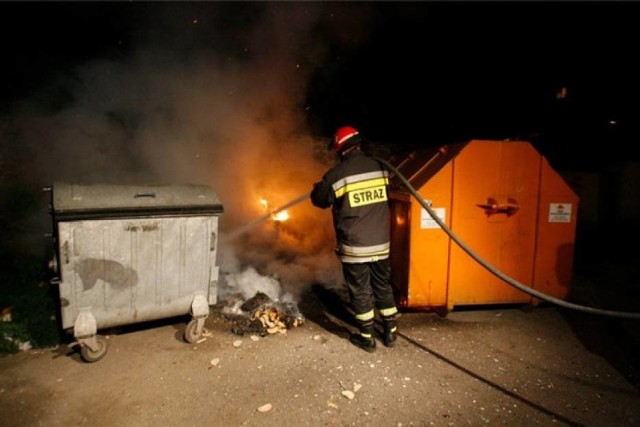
[504, 201]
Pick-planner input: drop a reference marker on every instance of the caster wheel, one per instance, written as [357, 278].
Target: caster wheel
[91, 356]
[191, 334]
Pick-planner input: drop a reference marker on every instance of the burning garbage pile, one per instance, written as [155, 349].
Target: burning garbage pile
[261, 315]
[255, 304]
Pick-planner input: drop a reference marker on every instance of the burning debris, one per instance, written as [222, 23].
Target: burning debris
[265, 312]
[261, 315]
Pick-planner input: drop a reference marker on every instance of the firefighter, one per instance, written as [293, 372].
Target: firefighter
[356, 191]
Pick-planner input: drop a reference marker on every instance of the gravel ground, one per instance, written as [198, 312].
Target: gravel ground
[495, 365]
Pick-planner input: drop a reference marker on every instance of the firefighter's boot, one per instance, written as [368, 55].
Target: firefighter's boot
[364, 338]
[390, 333]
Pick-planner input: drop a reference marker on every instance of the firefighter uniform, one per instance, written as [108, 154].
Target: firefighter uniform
[356, 190]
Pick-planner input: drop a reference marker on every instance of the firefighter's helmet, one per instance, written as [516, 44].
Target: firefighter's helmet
[342, 138]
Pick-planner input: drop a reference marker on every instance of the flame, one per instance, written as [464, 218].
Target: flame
[280, 216]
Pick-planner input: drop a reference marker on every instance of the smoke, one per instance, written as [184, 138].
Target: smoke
[210, 93]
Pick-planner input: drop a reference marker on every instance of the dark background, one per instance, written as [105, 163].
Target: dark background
[427, 73]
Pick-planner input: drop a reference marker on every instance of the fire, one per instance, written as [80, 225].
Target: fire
[281, 215]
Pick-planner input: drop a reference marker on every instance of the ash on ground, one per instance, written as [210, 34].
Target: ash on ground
[261, 315]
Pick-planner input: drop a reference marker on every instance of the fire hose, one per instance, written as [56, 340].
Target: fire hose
[495, 271]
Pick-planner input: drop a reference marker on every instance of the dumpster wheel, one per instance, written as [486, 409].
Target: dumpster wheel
[89, 355]
[191, 332]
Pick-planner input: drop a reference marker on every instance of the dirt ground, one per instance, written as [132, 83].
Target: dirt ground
[489, 365]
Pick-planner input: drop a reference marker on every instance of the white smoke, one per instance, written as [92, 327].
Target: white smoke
[249, 282]
[188, 102]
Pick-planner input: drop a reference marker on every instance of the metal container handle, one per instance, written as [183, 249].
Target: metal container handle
[493, 207]
[139, 194]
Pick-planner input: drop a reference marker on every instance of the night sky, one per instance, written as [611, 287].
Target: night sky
[407, 73]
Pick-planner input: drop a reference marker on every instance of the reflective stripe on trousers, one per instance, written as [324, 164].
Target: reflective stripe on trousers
[369, 287]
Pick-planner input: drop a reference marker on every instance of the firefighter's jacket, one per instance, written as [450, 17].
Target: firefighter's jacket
[356, 189]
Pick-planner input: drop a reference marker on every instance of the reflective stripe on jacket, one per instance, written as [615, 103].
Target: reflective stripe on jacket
[356, 189]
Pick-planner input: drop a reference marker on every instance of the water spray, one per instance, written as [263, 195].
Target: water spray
[271, 214]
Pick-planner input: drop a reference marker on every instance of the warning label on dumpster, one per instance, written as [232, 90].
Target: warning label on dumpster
[426, 221]
[560, 212]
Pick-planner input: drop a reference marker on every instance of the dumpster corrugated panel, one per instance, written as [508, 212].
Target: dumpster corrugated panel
[429, 265]
[555, 244]
[494, 212]
[420, 254]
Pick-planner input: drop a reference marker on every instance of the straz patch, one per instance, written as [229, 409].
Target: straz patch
[367, 196]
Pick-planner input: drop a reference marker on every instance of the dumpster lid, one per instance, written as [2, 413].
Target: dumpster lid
[420, 165]
[118, 200]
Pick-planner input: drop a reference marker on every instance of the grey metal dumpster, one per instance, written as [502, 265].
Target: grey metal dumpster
[126, 254]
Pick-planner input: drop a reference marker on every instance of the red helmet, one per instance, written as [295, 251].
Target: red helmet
[341, 137]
